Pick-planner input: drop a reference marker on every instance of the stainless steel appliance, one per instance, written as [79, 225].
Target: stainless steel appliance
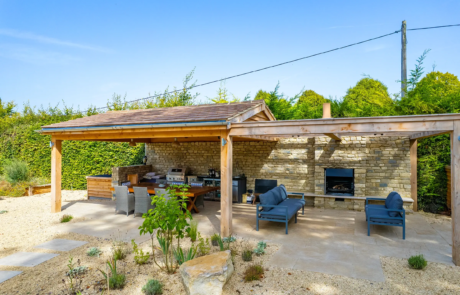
[176, 175]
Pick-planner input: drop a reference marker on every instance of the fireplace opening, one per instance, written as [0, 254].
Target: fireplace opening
[339, 182]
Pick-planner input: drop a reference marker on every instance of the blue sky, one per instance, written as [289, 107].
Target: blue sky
[84, 51]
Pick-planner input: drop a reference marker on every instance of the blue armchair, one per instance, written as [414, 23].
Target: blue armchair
[390, 214]
[276, 206]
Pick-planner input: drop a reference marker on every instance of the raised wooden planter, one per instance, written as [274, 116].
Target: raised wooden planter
[99, 186]
[38, 189]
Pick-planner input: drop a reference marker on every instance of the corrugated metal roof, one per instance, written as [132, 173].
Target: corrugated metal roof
[195, 113]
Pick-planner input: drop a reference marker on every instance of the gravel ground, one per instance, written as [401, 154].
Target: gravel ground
[29, 223]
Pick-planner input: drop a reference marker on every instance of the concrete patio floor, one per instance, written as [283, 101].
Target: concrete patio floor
[323, 240]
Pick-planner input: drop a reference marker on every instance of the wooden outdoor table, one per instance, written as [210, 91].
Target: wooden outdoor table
[192, 193]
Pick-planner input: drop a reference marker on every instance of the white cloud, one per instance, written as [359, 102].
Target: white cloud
[48, 40]
[36, 56]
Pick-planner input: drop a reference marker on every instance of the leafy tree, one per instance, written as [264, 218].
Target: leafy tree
[436, 93]
[368, 98]
[223, 96]
[309, 105]
[281, 107]
[6, 108]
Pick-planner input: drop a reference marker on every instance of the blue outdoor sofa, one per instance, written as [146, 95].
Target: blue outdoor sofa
[391, 214]
[276, 206]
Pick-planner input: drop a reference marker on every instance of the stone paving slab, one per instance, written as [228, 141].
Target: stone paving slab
[61, 245]
[27, 259]
[6, 275]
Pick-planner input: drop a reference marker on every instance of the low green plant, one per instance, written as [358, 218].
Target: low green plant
[253, 273]
[221, 243]
[94, 251]
[3, 211]
[247, 255]
[74, 282]
[139, 256]
[214, 239]
[116, 280]
[203, 247]
[79, 270]
[417, 261]
[192, 231]
[66, 218]
[262, 244]
[153, 287]
[229, 239]
[16, 171]
[119, 249]
[259, 251]
[182, 256]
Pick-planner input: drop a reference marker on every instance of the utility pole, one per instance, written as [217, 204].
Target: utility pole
[403, 59]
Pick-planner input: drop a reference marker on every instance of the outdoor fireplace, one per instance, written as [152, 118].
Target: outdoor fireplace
[339, 182]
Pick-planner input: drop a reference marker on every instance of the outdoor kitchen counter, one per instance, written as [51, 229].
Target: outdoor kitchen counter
[192, 192]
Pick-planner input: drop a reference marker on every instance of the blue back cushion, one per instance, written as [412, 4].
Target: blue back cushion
[284, 194]
[272, 197]
[389, 198]
[395, 203]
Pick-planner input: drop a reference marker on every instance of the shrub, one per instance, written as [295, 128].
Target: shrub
[139, 256]
[259, 250]
[247, 255]
[94, 251]
[417, 262]
[214, 239]
[153, 287]
[119, 249]
[169, 222]
[182, 256]
[66, 218]
[203, 247]
[262, 245]
[16, 171]
[193, 230]
[116, 280]
[253, 273]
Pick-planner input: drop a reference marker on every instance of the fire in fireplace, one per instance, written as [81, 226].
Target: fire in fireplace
[339, 182]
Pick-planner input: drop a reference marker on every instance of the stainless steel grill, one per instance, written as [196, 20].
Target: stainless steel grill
[176, 175]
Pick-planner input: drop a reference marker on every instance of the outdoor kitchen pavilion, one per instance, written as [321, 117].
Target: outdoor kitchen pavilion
[249, 121]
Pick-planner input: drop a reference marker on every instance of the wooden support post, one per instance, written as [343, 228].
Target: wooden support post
[455, 187]
[326, 110]
[413, 172]
[56, 175]
[226, 155]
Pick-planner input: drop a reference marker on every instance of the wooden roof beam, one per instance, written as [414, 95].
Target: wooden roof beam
[426, 134]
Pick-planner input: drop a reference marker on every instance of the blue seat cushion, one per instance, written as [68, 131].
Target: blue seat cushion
[284, 194]
[295, 201]
[395, 203]
[381, 216]
[292, 205]
[269, 198]
[389, 198]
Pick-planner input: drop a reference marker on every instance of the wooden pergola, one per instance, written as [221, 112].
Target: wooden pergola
[254, 121]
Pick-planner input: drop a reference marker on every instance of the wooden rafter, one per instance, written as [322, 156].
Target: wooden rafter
[426, 134]
[333, 136]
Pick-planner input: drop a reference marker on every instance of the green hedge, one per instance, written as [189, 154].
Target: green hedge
[20, 140]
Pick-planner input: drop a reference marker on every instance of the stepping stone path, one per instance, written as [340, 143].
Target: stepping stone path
[27, 259]
[61, 245]
[31, 259]
[6, 275]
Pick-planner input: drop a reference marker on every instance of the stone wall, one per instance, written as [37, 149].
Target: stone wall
[382, 164]
[120, 174]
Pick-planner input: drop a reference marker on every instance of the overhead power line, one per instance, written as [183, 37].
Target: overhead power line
[280, 64]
